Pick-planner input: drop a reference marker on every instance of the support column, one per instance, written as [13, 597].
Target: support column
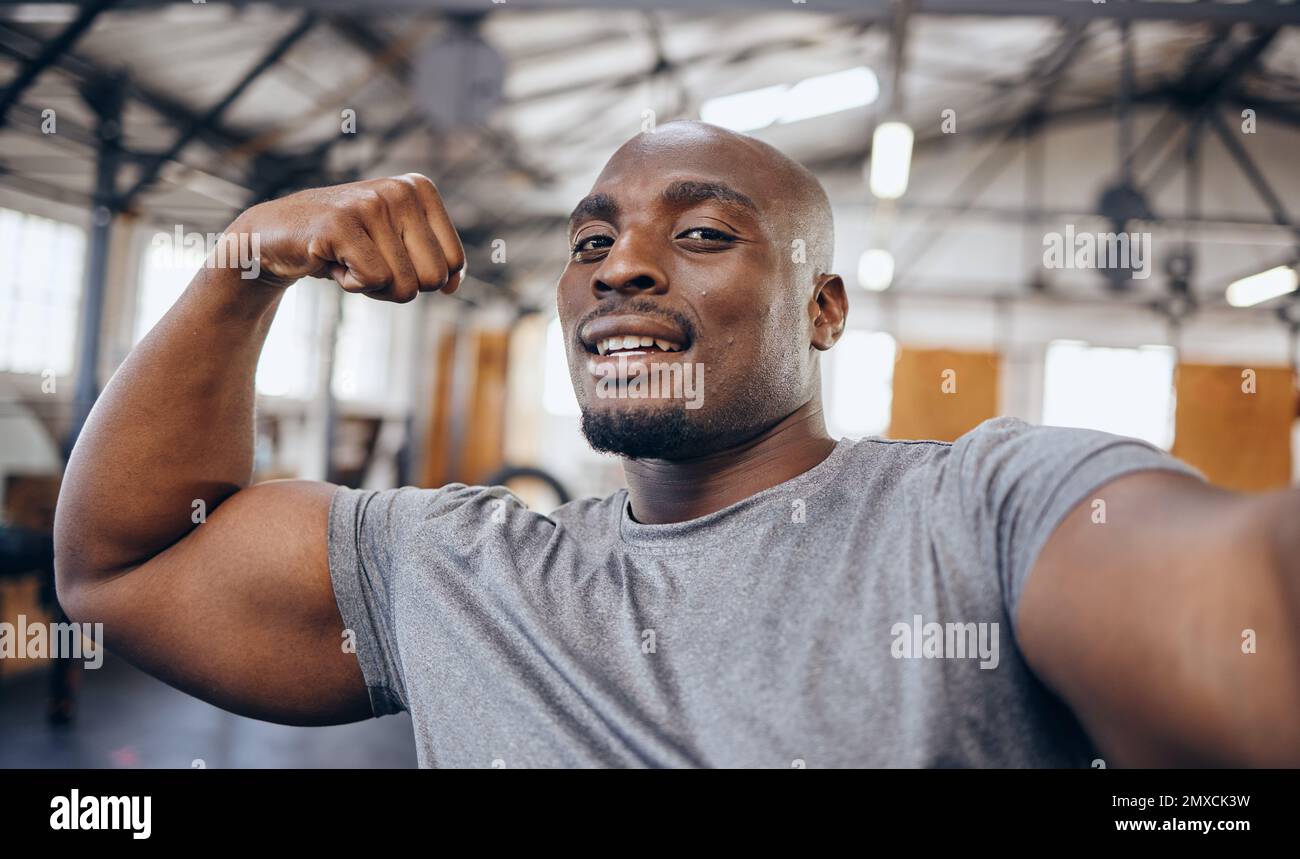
[106, 99]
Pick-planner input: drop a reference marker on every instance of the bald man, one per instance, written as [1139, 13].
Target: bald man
[760, 595]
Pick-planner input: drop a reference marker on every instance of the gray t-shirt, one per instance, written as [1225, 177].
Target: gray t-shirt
[860, 614]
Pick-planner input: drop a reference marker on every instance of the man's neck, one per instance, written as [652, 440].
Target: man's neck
[665, 491]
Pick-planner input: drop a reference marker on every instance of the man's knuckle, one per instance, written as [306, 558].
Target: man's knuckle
[418, 180]
[401, 291]
[394, 186]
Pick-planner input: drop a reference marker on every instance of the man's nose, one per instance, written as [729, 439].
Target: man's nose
[630, 267]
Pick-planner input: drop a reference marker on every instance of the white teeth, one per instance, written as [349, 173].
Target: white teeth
[633, 341]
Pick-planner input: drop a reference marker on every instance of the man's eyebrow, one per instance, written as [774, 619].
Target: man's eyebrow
[688, 192]
[599, 206]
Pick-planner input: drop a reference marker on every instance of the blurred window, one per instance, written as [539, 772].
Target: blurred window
[40, 292]
[858, 375]
[557, 388]
[288, 367]
[361, 356]
[288, 364]
[1123, 391]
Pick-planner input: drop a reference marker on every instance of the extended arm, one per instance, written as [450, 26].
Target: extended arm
[1172, 628]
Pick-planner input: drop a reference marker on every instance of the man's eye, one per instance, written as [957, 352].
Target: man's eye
[707, 234]
[592, 243]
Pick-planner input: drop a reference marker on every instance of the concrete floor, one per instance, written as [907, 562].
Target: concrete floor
[127, 719]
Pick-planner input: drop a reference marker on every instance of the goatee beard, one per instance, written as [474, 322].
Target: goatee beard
[661, 433]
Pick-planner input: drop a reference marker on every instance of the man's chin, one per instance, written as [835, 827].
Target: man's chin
[643, 430]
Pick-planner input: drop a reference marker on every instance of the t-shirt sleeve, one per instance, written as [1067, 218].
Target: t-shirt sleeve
[1018, 481]
[364, 528]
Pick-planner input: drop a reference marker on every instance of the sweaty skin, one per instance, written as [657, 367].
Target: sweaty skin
[719, 243]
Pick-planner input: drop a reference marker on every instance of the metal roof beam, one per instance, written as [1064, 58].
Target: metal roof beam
[214, 113]
[1263, 12]
[52, 50]
[22, 45]
[1252, 172]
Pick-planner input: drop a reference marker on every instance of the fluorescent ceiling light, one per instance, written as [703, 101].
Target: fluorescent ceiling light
[831, 93]
[782, 103]
[1263, 286]
[891, 159]
[746, 111]
[41, 13]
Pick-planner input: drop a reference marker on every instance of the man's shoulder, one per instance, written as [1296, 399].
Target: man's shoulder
[990, 431]
[1007, 434]
[1000, 439]
[990, 451]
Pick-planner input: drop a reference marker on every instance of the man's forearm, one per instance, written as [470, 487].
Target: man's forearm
[1257, 602]
[1286, 536]
[1286, 530]
[173, 426]
[1171, 630]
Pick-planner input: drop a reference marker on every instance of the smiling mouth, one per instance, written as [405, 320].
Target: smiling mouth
[634, 344]
[632, 334]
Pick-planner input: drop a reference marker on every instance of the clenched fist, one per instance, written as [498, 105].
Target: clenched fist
[387, 238]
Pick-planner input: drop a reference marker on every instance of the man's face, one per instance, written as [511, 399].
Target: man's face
[679, 242]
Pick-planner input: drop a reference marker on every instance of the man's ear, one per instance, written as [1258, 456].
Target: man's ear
[830, 305]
